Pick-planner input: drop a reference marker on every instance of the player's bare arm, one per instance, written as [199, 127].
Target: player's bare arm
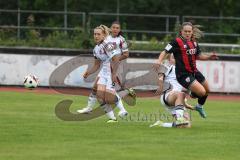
[92, 70]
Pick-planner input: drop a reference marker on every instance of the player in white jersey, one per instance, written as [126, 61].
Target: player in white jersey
[121, 50]
[118, 41]
[172, 98]
[104, 53]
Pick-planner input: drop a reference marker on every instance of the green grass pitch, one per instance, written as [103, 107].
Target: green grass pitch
[29, 129]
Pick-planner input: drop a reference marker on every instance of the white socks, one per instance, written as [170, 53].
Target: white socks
[109, 112]
[119, 104]
[92, 99]
[178, 111]
[123, 93]
[167, 125]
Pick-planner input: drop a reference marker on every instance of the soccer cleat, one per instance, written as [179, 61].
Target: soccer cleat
[157, 123]
[122, 114]
[85, 110]
[181, 121]
[112, 121]
[130, 99]
[201, 111]
[131, 92]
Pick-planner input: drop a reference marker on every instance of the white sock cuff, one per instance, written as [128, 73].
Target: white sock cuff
[167, 125]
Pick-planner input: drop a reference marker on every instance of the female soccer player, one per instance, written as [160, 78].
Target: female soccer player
[121, 50]
[172, 96]
[104, 53]
[186, 50]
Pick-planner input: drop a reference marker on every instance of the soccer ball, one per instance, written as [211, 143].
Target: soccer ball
[30, 81]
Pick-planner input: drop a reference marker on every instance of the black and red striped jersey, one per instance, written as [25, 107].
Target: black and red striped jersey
[185, 53]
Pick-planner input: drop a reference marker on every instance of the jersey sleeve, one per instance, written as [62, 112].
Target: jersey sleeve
[171, 47]
[123, 45]
[94, 54]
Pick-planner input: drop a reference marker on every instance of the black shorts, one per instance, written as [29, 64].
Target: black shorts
[186, 79]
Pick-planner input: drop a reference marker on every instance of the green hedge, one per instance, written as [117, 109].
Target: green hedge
[79, 39]
[56, 39]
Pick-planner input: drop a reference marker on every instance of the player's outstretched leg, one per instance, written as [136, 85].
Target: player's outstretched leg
[109, 113]
[92, 99]
[122, 111]
[178, 114]
[128, 95]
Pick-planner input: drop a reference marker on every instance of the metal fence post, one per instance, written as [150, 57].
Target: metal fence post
[18, 21]
[65, 16]
[84, 21]
[89, 23]
[183, 19]
[167, 24]
[118, 10]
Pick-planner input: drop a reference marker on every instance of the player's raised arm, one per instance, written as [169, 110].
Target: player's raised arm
[211, 56]
[159, 61]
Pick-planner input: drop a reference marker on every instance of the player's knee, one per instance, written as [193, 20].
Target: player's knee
[100, 96]
[111, 99]
[101, 101]
[108, 100]
[202, 92]
[181, 95]
[207, 90]
[94, 90]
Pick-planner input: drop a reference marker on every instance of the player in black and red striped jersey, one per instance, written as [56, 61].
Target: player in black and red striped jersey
[186, 51]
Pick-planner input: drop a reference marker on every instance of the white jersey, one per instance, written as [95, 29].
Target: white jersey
[119, 43]
[170, 77]
[104, 52]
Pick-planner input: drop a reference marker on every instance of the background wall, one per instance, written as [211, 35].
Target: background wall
[223, 76]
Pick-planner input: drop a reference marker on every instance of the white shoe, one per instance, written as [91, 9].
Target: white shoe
[122, 114]
[85, 110]
[157, 123]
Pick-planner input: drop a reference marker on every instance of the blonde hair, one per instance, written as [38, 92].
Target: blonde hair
[197, 33]
[167, 58]
[106, 31]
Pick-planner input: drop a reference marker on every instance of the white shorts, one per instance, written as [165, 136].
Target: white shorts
[104, 73]
[163, 100]
[106, 81]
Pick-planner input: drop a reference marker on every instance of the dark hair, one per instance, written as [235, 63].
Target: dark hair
[117, 22]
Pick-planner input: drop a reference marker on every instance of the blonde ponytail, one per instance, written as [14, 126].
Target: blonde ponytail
[197, 33]
[106, 31]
